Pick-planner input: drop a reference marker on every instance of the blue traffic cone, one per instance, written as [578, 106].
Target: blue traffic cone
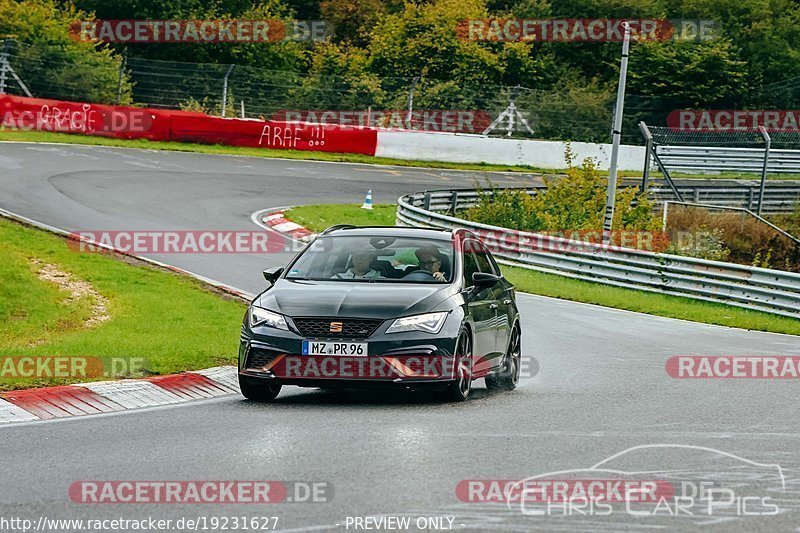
[367, 201]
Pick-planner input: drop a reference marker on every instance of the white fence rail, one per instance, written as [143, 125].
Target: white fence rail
[691, 159]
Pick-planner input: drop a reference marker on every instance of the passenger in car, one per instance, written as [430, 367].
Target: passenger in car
[361, 259]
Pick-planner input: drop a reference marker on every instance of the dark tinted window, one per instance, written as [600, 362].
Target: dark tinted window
[470, 262]
[485, 262]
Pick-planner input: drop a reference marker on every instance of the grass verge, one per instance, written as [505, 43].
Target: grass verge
[171, 322]
[319, 217]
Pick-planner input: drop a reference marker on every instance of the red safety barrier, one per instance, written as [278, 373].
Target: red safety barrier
[273, 134]
[84, 119]
[179, 126]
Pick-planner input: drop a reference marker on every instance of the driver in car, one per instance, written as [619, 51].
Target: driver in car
[430, 264]
[361, 269]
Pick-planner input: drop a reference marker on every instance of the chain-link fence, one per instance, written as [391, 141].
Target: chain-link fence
[575, 114]
[397, 102]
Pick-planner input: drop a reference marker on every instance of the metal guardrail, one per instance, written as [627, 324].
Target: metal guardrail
[753, 288]
[779, 196]
[694, 159]
[670, 154]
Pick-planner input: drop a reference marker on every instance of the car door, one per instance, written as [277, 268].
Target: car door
[481, 306]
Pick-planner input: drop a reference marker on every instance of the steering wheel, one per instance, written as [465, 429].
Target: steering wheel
[421, 275]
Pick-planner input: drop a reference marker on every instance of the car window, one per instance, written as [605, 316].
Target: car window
[375, 259]
[470, 266]
[485, 262]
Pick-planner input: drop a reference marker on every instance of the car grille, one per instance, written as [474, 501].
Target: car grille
[259, 357]
[351, 328]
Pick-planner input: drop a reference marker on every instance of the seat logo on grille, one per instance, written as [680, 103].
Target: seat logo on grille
[336, 327]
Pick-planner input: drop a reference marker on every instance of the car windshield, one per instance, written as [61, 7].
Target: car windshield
[368, 259]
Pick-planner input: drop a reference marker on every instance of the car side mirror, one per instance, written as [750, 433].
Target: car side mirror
[272, 274]
[484, 280]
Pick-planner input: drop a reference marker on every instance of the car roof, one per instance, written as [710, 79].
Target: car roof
[389, 231]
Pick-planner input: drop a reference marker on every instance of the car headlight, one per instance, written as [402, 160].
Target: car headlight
[429, 322]
[261, 317]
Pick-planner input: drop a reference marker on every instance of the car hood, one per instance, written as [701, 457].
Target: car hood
[357, 300]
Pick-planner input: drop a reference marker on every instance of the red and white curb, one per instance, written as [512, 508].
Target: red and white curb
[112, 396]
[276, 221]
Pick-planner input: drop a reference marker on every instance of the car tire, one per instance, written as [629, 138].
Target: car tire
[458, 390]
[259, 392]
[508, 377]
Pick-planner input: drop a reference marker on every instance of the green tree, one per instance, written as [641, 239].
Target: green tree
[54, 64]
[352, 20]
[687, 72]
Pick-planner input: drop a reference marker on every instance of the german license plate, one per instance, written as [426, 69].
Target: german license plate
[350, 349]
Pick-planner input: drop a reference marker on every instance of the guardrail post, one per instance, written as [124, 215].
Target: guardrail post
[648, 147]
[225, 89]
[661, 168]
[751, 198]
[5, 52]
[427, 204]
[121, 77]
[768, 143]
[454, 202]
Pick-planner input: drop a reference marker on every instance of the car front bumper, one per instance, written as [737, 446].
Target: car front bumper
[397, 358]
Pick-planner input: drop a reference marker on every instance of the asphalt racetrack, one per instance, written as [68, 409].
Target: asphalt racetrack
[601, 391]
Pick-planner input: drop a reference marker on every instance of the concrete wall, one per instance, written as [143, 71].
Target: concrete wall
[460, 148]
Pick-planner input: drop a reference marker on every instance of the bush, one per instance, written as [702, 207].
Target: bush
[741, 238]
[510, 208]
[573, 202]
